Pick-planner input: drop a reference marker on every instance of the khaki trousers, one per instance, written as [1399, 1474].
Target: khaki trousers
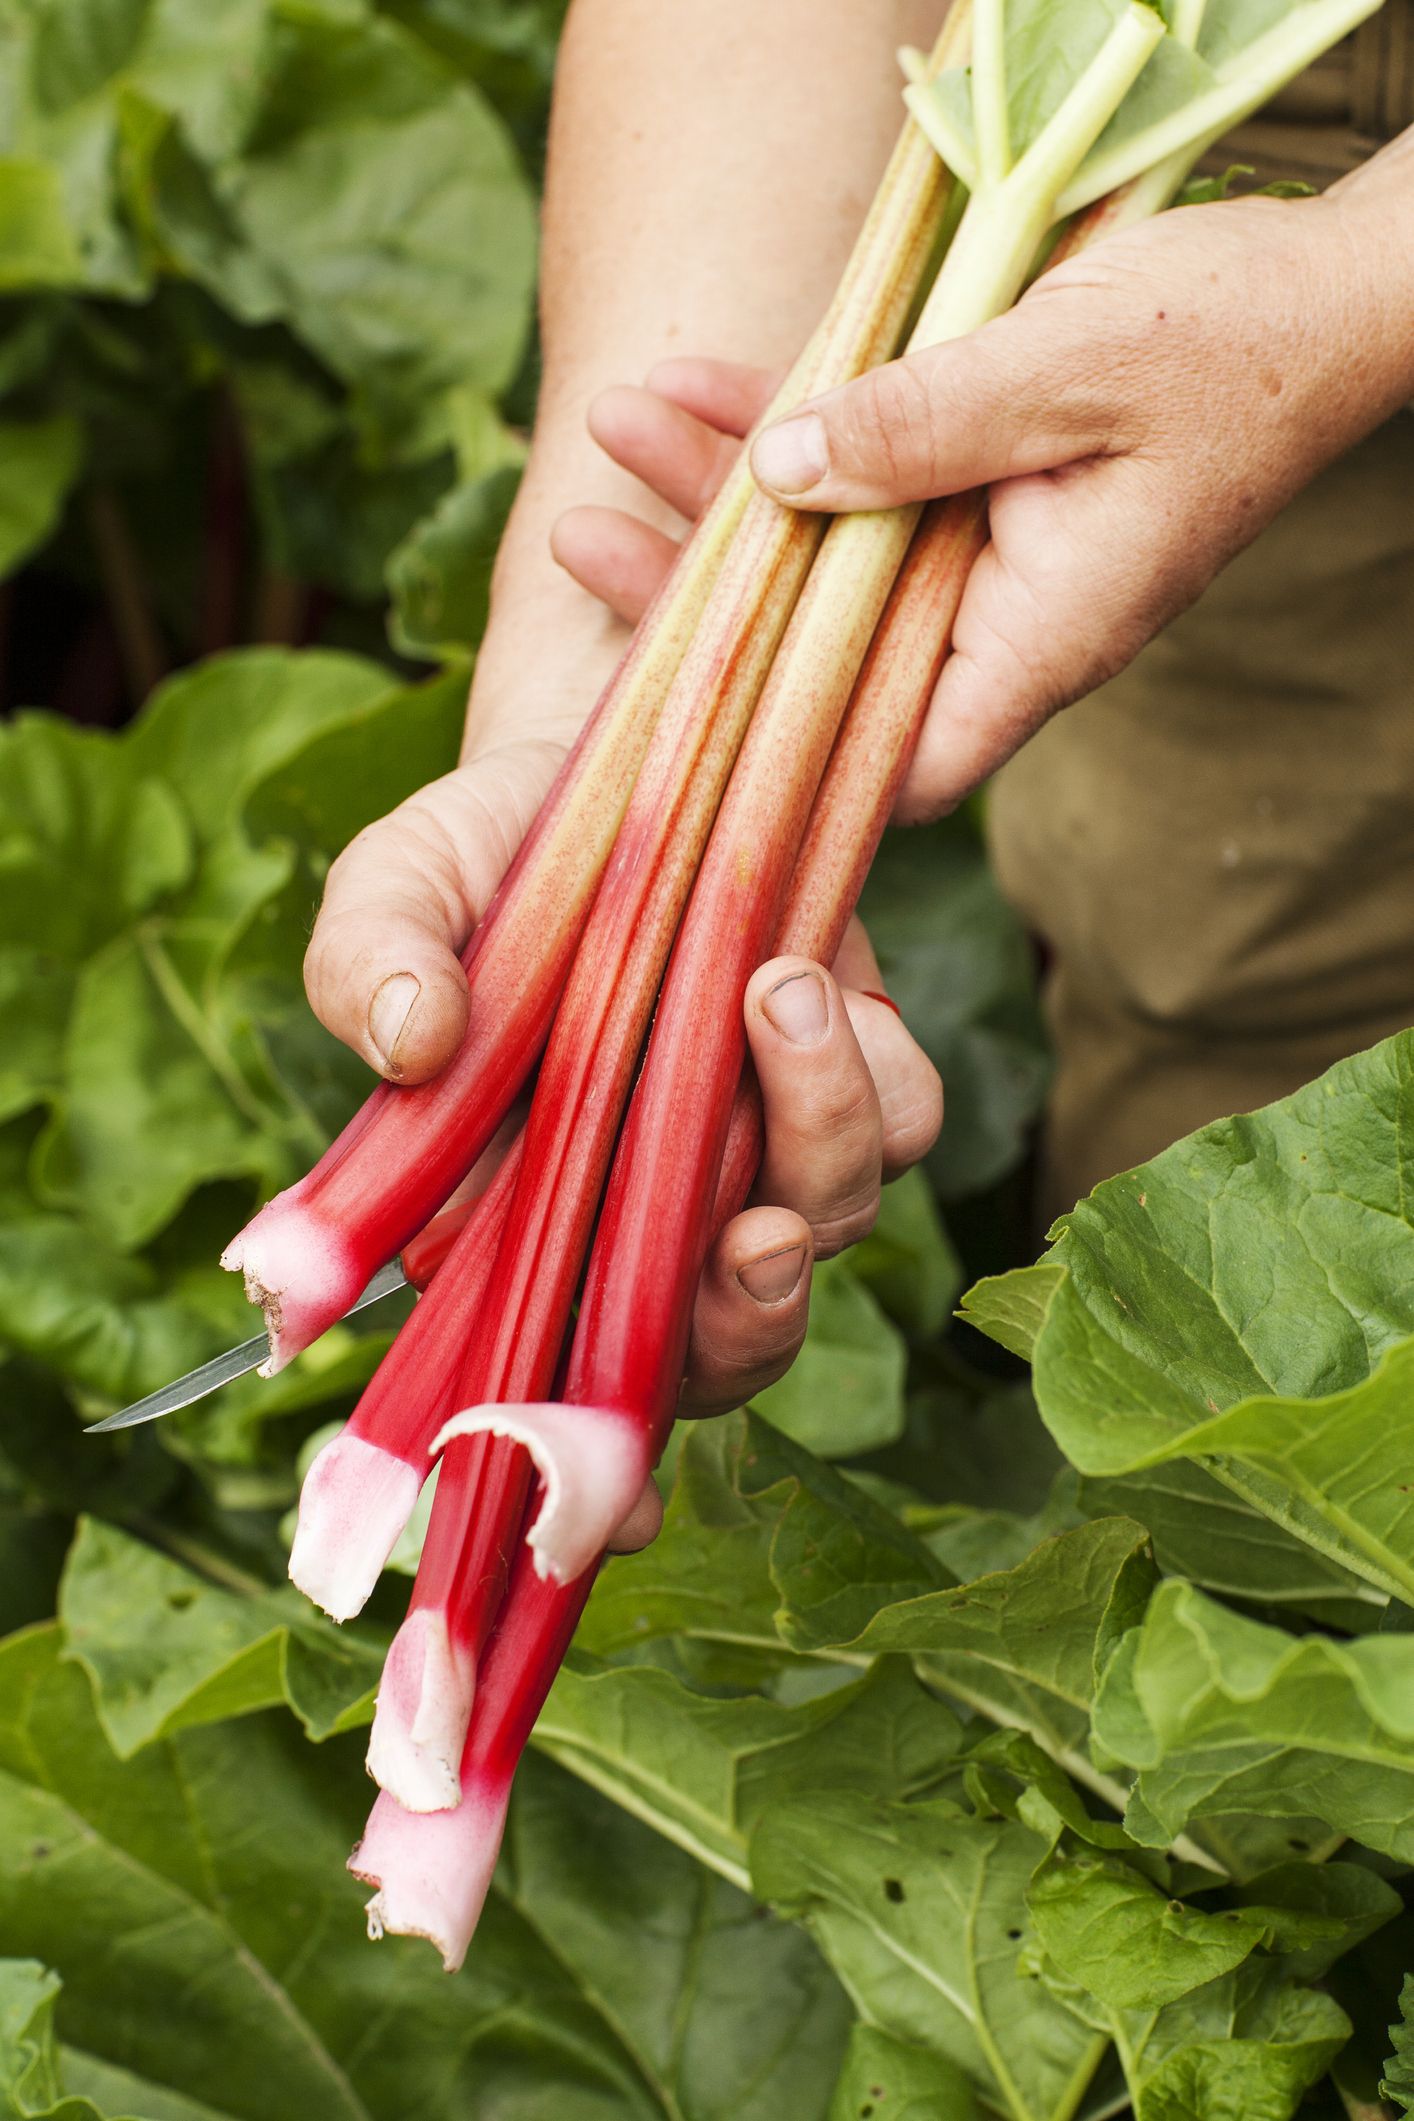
[1217, 848]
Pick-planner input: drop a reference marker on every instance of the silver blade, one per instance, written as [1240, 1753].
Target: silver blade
[234, 1363]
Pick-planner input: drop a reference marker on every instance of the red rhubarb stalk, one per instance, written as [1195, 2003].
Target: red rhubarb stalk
[307, 1254]
[432, 1870]
[359, 1493]
[587, 1072]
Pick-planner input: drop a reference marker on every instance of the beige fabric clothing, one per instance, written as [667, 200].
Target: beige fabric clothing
[1218, 846]
[1337, 114]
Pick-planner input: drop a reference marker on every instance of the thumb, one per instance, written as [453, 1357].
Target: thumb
[383, 969]
[1017, 396]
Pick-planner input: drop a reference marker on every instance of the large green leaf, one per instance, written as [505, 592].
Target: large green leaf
[156, 972]
[701, 1770]
[1026, 1647]
[894, 2081]
[195, 1903]
[166, 1650]
[1242, 1300]
[1250, 2044]
[922, 1913]
[39, 461]
[844, 1391]
[1221, 1715]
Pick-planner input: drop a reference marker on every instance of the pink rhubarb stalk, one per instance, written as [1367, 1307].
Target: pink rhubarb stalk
[432, 1870]
[307, 1254]
[587, 1072]
[359, 1493]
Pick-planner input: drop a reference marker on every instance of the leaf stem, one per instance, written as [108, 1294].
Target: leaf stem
[174, 992]
[990, 116]
[1244, 84]
[125, 593]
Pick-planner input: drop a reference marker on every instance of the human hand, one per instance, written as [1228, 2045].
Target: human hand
[849, 1100]
[1138, 417]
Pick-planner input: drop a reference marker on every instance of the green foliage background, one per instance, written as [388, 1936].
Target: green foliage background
[955, 1751]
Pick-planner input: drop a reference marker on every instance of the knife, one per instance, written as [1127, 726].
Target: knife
[414, 1270]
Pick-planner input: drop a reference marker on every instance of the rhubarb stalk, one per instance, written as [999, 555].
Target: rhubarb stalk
[306, 1255]
[587, 1071]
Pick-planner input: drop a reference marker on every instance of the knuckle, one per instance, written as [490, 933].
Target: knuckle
[835, 1233]
[913, 1118]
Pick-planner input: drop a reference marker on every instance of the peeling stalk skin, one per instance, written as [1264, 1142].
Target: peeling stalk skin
[341, 1544]
[851, 809]
[587, 1071]
[307, 1253]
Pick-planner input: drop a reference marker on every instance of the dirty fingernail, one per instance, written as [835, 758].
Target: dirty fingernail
[393, 1003]
[793, 457]
[771, 1279]
[798, 1008]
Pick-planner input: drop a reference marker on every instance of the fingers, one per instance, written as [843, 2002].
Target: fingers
[642, 1524]
[679, 456]
[752, 1308]
[726, 394]
[1020, 395]
[1054, 607]
[823, 1124]
[382, 969]
[614, 556]
[908, 1086]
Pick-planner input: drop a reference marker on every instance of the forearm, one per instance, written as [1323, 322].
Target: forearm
[710, 162]
[1374, 215]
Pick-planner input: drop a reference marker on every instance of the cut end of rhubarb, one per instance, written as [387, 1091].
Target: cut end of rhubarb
[298, 1271]
[353, 1506]
[424, 1706]
[592, 1461]
[432, 1870]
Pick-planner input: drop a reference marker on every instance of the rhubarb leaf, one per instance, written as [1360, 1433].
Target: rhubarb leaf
[1251, 2043]
[1247, 1299]
[923, 1912]
[1221, 1715]
[1027, 1647]
[844, 1392]
[210, 1869]
[728, 2014]
[958, 963]
[1111, 1931]
[702, 1770]
[1203, 1531]
[439, 577]
[352, 214]
[39, 461]
[1397, 2084]
[894, 2081]
[166, 1649]
[42, 2081]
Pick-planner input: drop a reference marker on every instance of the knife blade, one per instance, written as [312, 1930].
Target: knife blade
[185, 1391]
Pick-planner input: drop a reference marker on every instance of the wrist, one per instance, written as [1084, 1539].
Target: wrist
[1372, 219]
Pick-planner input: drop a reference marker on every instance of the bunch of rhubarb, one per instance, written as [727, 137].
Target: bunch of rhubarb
[723, 804]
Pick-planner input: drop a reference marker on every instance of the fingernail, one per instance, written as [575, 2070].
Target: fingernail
[798, 1008]
[393, 1003]
[793, 457]
[774, 1277]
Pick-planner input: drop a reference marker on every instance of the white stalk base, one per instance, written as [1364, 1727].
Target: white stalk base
[592, 1461]
[424, 1706]
[353, 1506]
[432, 1869]
[298, 1273]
